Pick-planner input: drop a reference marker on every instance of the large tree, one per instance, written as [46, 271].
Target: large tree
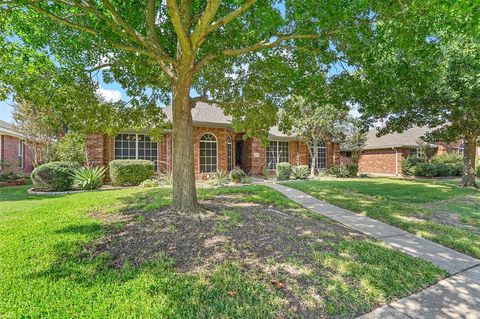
[244, 55]
[423, 69]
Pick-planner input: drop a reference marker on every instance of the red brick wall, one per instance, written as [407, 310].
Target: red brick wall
[9, 153]
[101, 151]
[382, 161]
[298, 153]
[255, 156]
[444, 147]
[221, 135]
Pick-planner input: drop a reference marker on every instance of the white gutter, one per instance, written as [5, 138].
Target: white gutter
[396, 160]
[7, 131]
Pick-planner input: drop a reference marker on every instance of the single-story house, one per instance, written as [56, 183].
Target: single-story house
[13, 149]
[216, 146]
[384, 155]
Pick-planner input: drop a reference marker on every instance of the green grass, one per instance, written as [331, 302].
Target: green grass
[47, 272]
[407, 204]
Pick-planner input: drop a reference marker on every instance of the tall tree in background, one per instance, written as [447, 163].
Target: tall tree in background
[355, 137]
[39, 132]
[313, 122]
[241, 54]
[423, 69]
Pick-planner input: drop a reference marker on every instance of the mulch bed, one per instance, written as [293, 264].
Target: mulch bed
[259, 237]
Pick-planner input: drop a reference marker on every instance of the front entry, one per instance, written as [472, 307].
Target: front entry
[239, 154]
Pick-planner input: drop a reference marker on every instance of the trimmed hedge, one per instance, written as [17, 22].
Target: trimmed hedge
[283, 171]
[130, 172]
[54, 176]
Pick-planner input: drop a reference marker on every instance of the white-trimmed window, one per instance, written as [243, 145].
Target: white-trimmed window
[321, 156]
[21, 161]
[229, 154]
[461, 148]
[208, 153]
[277, 152]
[136, 146]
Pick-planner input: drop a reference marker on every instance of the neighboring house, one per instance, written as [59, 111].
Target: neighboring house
[13, 148]
[216, 146]
[384, 155]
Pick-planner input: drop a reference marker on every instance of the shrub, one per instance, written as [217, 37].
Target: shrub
[237, 174]
[341, 171]
[409, 164]
[300, 172]
[283, 171]
[247, 179]
[220, 178]
[71, 148]
[478, 168]
[54, 176]
[89, 178]
[438, 166]
[352, 170]
[448, 158]
[130, 172]
[9, 171]
[456, 169]
[432, 169]
[161, 180]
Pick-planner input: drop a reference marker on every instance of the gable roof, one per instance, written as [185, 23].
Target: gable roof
[406, 139]
[210, 115]
[7, 128]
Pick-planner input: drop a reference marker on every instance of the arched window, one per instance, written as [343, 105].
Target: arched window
[208, 153]
[321, 156]
[229, 153]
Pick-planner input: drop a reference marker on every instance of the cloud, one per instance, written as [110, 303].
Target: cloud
[109, 95]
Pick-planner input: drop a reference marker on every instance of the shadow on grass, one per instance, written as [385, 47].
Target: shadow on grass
[398, 207]
[19, 193]
[239, 247]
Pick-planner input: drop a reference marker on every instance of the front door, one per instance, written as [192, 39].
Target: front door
[239, 154]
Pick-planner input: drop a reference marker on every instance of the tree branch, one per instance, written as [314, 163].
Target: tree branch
[125, 26]
[158, 56]
[150, 19]
[265, 44]
[178, 25]
[99, 67]
[206, 18]
[230, 17]
[63, 21]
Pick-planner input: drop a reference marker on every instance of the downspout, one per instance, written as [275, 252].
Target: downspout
[396, 160]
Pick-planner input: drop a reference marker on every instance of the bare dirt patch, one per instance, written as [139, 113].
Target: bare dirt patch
[458, 212]
[277, 244]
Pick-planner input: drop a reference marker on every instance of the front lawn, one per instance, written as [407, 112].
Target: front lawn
[434, 209]
[252, 254]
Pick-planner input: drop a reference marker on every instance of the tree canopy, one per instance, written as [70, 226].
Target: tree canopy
[423, 69]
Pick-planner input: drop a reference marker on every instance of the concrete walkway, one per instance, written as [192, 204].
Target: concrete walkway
[455, 297]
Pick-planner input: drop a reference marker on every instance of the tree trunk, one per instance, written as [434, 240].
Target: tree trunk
[184, 191]
[313, 156]
[469, 157]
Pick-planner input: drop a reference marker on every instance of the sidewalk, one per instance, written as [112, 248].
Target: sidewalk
[455, 297]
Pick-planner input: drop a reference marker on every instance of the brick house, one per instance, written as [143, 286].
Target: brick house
[13, 148]
[384, 155]
[216, 146]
